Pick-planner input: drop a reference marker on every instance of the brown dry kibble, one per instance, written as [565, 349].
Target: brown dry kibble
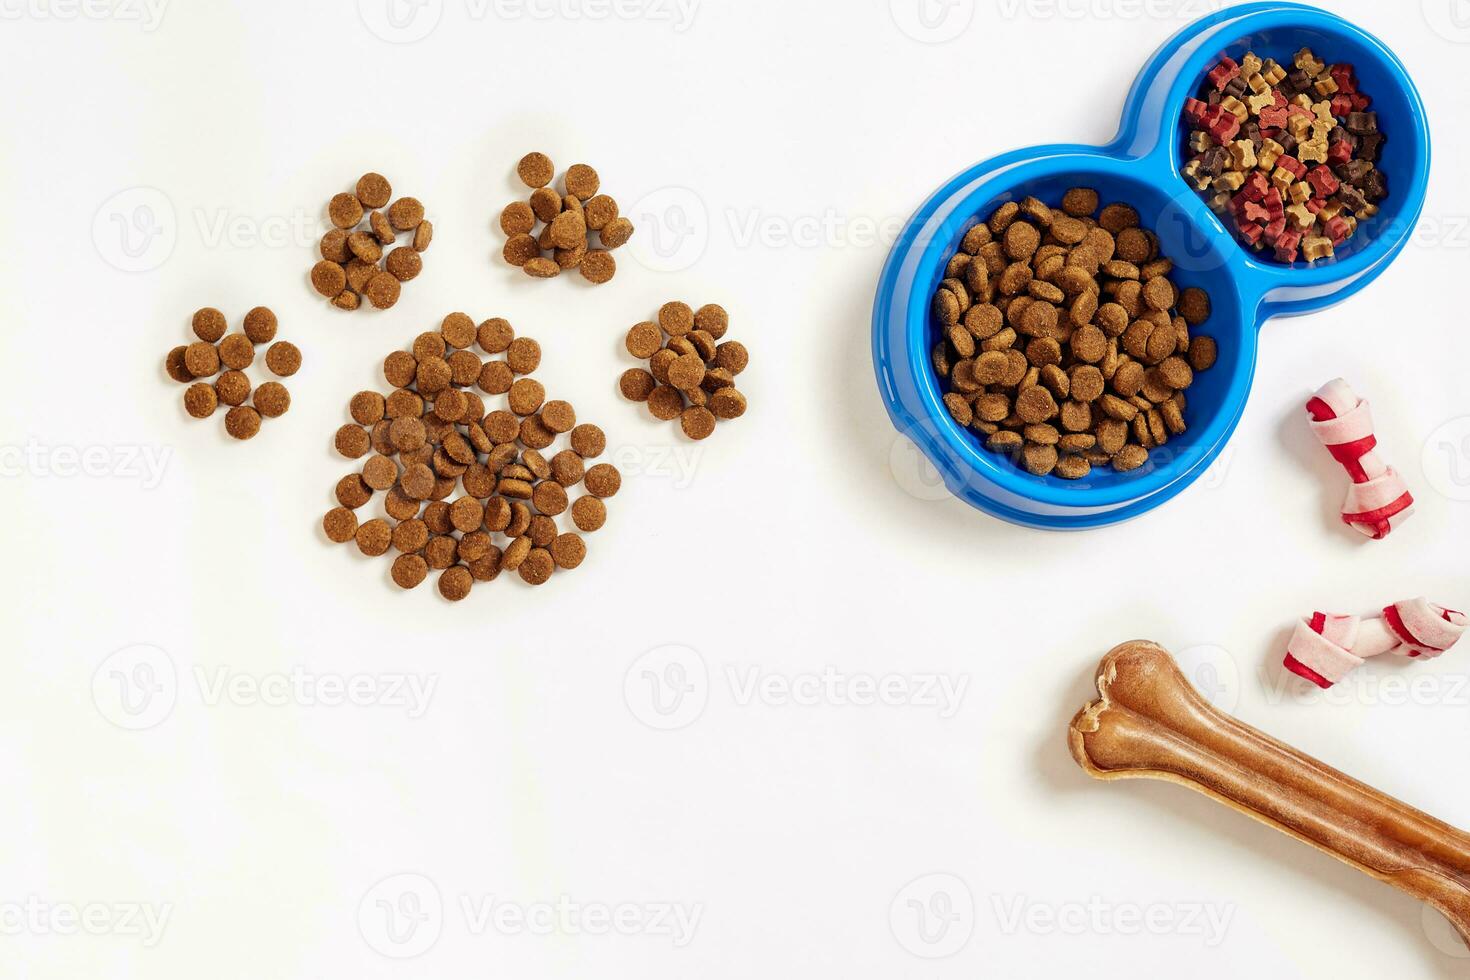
[352, 441]
[272, 400]
[236, 352]
[200, 400]
[1130, 457]
[232, 387]
[334, 247]
[615, 233]
[201, 360]
[727, 403]
[1202, 353]
[175, 366]
[697, 423]
[636, 384]
[423, 235]
[345, 210]
[403, 264]
[405, 213]
[242, 422]
[328, 278]
[537, 567]
[382, 290]
[541, 268]
[568, 230]
[1062, 340]
[675, 318]
[346, 300]
[582, 181]
[473, 473]
[517, 219]
[520, 249]
[409, 571]
[600, 210]
[283, 358]
[602, 480]
[209, 325]
[535, 169]
[589, 513]
[340, 525]
[373, 190]
[644, 339]
[598, 266]
[568, 550]
[455, 583]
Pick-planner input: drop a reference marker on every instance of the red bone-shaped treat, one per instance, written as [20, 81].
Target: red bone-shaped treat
[1326, 647]
[1378, 501]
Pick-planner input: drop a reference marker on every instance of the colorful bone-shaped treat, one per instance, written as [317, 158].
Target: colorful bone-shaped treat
[1149, 723]
[1378, 500]
[1327, 647]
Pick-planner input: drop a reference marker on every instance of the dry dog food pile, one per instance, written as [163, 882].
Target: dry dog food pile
[568, 218]
[454, 474]
[690, 376]
[229, 356]
[1065, 342]
[1289, 156]
[356, 260]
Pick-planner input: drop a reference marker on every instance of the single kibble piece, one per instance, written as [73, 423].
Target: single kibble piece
[405, 213]
[382, 290]
[340, 525]
[403, 264]
[602, 480]
[272, 400]
[409, 571]
[598, 266]
[175, 366]
[242, 422]
[615, 233]
[582, 181]
[352, 441]
[236, 352]
[423, 235]
[535, 169]
[201, 359]
[697, 423]
[232, 387]
[200, 400]
[328, 278]
[541, 268]
[636, 384]
[373, 190]
[260, 325]
[345, 210]
[283, 358]
[209, 325]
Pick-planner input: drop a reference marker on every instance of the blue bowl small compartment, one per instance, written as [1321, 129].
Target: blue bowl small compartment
[1398, 120]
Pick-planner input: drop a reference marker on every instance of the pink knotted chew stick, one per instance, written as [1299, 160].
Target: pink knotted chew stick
[1378, 500]
[1325, 648]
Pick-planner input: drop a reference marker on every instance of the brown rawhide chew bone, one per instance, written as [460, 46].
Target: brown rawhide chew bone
[1150, 723]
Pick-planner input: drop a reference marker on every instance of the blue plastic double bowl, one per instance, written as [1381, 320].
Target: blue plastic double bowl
[1140, 167]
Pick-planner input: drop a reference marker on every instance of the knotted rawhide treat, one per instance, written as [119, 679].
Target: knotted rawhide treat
[1326, 647]
[357, 257]
[1378, 500]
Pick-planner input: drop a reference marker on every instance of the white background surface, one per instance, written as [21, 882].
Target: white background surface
[786, 141]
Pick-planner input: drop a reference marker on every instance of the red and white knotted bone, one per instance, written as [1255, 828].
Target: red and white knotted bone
[1325, 648]
[1378, 501]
